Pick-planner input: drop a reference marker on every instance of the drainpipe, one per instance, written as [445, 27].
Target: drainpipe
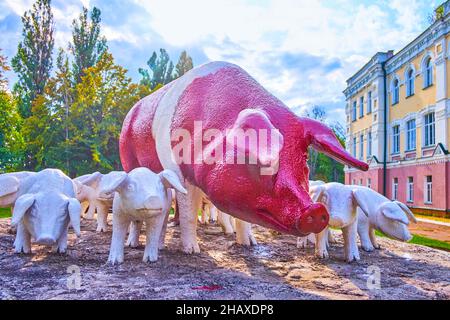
[386, 106]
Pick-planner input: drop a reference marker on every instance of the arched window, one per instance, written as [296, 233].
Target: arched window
[428, 73]
[395, 91]
[410, 82]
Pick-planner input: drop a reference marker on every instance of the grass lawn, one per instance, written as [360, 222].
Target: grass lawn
[5, 213]
[424, 241]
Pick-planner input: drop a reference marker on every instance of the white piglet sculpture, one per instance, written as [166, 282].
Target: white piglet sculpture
[140, 196]
[43, 210]
[390, 217]
[341, 202]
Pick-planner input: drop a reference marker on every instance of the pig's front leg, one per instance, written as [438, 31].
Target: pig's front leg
[22, 243]
[321, 244]
[225, 221]
[61, 244]
[120, 226]
[133, 235]
[363, 232]
[373, 238]
[302, 242]
[91, 211]
[331, 237]
[350, 242]
[102, 217]
[188, 205]
[154, 227]
[162, 237]
[244, 235]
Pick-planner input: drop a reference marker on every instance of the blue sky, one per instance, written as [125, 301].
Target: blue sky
[300, 50]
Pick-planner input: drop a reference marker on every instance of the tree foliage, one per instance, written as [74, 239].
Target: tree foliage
[33, 61]
[88, 44]
[160, 70]
[184, 64]
[3, 68]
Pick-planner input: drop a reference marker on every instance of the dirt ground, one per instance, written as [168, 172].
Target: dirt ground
[431, 230]
[274, 269]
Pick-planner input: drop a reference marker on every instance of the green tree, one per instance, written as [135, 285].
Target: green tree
[184, 64]
[161, 70]
[33, 61]
[87, 44]
[3, 68]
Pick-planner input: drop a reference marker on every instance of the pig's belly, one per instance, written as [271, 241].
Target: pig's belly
[143, 215]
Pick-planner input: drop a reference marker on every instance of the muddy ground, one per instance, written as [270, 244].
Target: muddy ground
[274, 269]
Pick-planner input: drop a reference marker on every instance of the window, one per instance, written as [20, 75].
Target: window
[428, 189]
[429, 130]
[396, 139]
[395, 189]
[361, 107]
[354, 111]
[410, 83]
[354, 147]
[369, 102]
[354, 182]
[395, 95]
[360, 182]
[361, 147]
[369, 183]
[428, 73]
[411, 135]
[369, 144]
[410, 189]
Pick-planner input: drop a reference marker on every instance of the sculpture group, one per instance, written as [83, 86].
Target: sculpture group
[225, 99]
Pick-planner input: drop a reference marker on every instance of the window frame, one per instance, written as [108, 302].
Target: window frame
[429, 128]
[411, 135]
[396, 139]
[410, 190]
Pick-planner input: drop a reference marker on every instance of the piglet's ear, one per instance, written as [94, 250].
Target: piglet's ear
[392, 211]
[111, 182]
[171, 180]
[8, 185]
[362, 198]
[406, 210]
[74, 208]
[23, 203]
[316, 193]
[90, 179]
[264, 140]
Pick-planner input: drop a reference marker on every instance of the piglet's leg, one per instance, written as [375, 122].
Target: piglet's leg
[91, 211]
[373, 238]
[61, 245]
[154, 227]
[244, 235]
[133, 236]
[102, 217]
[120, 227]
[350, 242]
[188, 205]
[363, 232]
[22, 243]
[162, 237]
[321, 244]
[225, 221]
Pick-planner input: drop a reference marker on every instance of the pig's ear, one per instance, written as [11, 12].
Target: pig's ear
[78, 187]
[269, 140]
[406, 210]
[362, 198]
[171, 180]
[90, 179]
[316, 193]
[74, 208]
[23, 203]
[8, 185]
[111, 182]
[391, 211]
[324, 140]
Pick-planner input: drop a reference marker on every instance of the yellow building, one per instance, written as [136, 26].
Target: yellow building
[398, 118]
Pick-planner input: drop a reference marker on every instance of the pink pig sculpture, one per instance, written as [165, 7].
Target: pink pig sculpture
[222, 97]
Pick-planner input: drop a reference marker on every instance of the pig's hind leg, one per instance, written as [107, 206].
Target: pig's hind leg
[244, 235]
[188, 205]
[350, 243]
[133, 235]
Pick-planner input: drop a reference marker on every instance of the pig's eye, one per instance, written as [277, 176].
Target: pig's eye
[130, 187]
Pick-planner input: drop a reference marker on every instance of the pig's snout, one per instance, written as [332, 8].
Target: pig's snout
[46, 240]
[153, 203]
[313, 220]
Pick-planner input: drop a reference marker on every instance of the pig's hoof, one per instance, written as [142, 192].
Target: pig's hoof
[191, 248]
[368, 248]
[322, 254]
[112, 260]
[150, 258]
[377, 246]
[101, 229]
[60, 249]
[247, 241]
[132, 243]
[22, 250]
[352, 258]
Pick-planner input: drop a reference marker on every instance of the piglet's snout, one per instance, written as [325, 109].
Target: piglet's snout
[45, 240]
[153, 203]
[313, 220]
